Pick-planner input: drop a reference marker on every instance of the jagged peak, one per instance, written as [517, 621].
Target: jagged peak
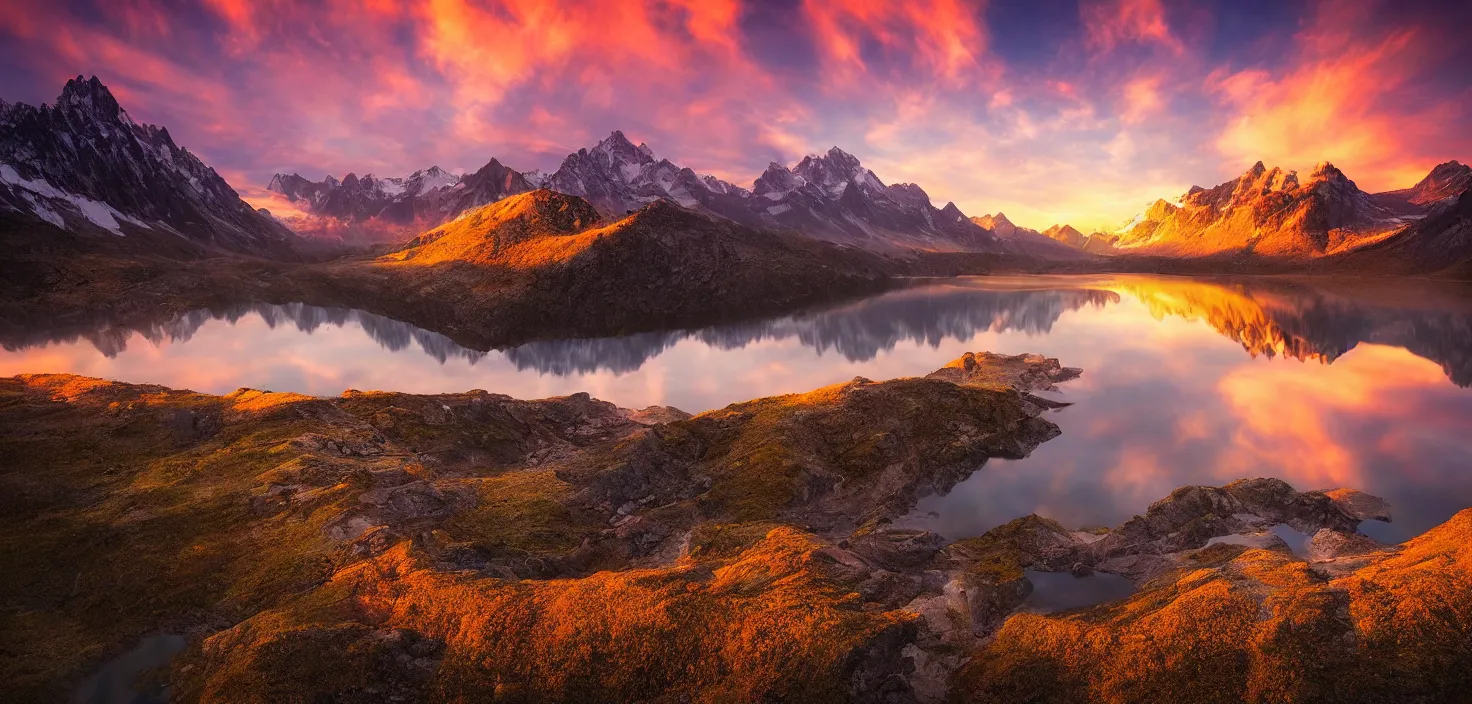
[89, 94]
[911, 188]
[278, 182]
[1445, 169]
[1325, 170]
[617, 141]
[1062, 227]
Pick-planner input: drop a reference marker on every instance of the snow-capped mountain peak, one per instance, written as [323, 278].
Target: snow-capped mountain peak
[426, 180]
[83, 160]
[835, 170]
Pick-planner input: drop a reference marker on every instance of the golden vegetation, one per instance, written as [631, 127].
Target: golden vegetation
[767, 623]
[1254, 626]
[462, 547]
[518, 232]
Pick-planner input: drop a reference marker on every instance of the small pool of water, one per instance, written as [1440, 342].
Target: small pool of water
[1297, 540]
[119, 680]
[1060, 591]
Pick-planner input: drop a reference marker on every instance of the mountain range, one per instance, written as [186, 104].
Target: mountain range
[1272, 213]
[82, 165]
[830, 196]
[1056, 242]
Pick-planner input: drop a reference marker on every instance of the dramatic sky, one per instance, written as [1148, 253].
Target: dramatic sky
[1050, 110]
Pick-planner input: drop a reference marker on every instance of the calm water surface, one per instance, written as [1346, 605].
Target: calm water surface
[1323, 383]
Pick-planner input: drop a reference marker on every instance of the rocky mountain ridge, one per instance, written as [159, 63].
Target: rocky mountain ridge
[1059, 242]
[1273, 213]
[829, 196]
[84, 165]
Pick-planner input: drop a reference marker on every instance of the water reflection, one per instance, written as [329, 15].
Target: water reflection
[1323, 383]
[112, 340]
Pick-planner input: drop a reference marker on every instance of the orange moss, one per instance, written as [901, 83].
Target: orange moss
[768, 624]
[1259, 627]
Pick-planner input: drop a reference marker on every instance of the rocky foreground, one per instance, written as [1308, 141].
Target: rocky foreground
[466, 547]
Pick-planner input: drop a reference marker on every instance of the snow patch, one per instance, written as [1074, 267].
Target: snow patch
[1131, 224]
[442, 180]
[778, 209]
[41, 211]
[101, 214]
[390, 186]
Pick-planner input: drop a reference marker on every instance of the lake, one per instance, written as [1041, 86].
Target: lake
[1322, 382]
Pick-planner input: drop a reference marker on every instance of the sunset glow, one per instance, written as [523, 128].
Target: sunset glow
[1049, 111]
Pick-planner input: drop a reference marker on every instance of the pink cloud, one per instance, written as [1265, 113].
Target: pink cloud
[921, 91]
[1111, 23]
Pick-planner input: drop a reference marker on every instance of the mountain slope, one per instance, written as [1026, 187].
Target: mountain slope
[1440, 242]
[1266, 212]
[489, 234]
[1446, 181]
[83, 165]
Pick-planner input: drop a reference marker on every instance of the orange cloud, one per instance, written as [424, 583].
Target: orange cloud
[1110, 23]
[944, 36]
[1340, 101]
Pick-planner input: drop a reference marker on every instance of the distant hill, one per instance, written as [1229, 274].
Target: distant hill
[547, 260]
[1027, 241]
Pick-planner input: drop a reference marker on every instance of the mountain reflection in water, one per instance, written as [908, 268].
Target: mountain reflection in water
[1342, 383]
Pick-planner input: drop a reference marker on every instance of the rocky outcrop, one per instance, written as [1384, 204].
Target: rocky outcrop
[1235, 622]
[371, 521]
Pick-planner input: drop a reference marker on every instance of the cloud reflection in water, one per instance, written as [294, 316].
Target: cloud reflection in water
[1341, 383]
